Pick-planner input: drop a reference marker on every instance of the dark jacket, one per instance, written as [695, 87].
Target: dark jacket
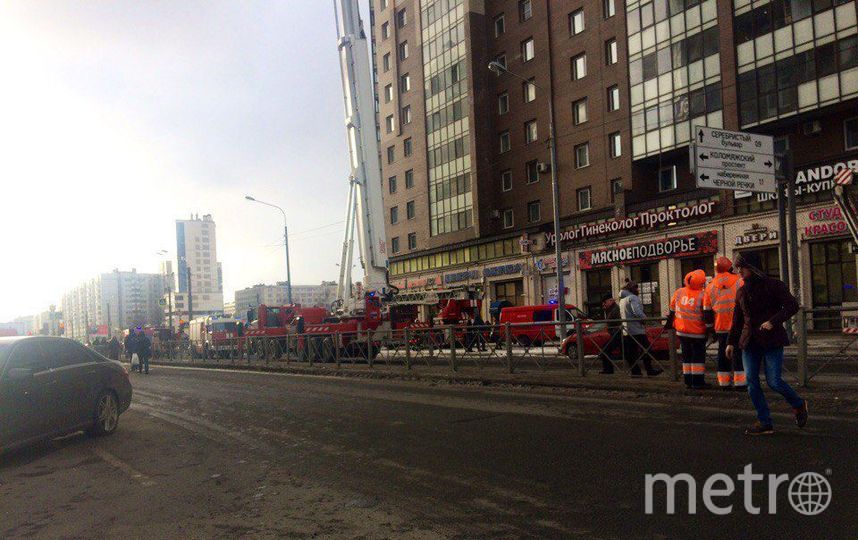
[142, 346]
[762, 299]
[128, 345]
[613, 314]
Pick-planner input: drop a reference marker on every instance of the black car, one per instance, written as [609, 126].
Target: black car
[52, 386]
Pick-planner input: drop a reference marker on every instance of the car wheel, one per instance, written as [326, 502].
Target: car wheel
[106, 415]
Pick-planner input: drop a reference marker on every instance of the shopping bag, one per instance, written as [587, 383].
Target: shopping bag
[135, 360]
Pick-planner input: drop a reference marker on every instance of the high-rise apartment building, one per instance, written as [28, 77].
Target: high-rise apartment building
[465, 151]
[116, 300]
[196, 249]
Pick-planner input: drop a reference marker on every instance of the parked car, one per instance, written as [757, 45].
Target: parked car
[596, 336]
[52, 386]
[535, 334]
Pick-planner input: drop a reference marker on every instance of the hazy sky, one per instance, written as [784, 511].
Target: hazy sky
[118, 117]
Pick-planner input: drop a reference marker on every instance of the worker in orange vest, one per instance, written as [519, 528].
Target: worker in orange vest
[719, 302]
[686, 315]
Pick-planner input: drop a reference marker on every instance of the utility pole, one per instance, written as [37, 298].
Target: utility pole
[109, 327]
[190, 298]
[170, 305]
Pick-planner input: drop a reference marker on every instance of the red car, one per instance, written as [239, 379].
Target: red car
[596, 336]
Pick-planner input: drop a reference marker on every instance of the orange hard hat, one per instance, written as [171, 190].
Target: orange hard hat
[723, 264]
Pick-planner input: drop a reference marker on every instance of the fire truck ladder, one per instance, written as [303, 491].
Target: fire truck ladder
[846, 197]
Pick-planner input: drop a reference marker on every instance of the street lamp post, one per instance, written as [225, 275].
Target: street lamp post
[285, 241]
[499, 68]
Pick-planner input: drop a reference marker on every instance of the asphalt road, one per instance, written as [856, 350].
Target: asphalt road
[206, 453]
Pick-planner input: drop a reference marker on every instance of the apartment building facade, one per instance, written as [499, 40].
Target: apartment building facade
[196, 248]
[465, 155]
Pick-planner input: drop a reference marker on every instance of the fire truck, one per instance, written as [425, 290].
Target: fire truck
[267, 335]
[211, 337]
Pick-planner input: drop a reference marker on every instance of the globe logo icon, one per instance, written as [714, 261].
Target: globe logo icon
[809, 493]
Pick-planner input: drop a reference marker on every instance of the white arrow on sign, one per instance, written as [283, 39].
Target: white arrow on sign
[733, 160]
[731, 179]
[707, 137]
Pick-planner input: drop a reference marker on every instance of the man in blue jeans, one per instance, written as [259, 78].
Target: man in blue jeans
[763, 304]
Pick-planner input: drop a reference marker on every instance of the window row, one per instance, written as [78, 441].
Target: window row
[409, 181]
[412, 243]
[410, 212]
[437, 10]
[583, 197]
[655, 12]
[452, 222]
[772, 89]
[444, 41]
[777, 14]
[449, 151]
[446, 116]
[683, 107]
[681, 53]
[491, 250]
[451, 187]
[446, 78]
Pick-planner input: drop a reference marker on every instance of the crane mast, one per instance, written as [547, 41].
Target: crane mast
[365, 176]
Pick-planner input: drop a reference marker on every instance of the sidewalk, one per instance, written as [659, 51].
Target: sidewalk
[830, 394]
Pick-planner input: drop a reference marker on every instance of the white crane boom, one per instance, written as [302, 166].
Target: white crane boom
[359, 102]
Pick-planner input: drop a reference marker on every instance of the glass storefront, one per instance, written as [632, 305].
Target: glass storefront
[646, 275]
[598, 285]
[511, 291]
[769, 260]
[705, 263]
[832, 274]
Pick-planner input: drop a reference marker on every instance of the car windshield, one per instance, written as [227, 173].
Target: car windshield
[4, 352]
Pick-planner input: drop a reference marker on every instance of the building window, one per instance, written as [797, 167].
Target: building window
[579, 111]
[385, 62]
[525, 10]
[406, 114]
[611, 52]
[405, 83]
[391, 154]
[388, 93]
[615, 145]
[579, 66]
[403, 50]
[667, 178]
[388, 123]
[584, 201]
[391, 185]
[394, 215]
[504, 142]
[530, 134]
[508, 221]
[409, 210]
[383, 5]
[610, 9]
[531, 169]
[412, 241]
[582, 155]
[616, 187]
[401, 18]
[503, 103]
[850, 128]
[613, 98]
[409, 179]
[527, 50]
[533, 212]
[576, 21]
[528, 89]
[394, 244]
[407, 147]
[506, 180]
[385, 30]
[500, 25]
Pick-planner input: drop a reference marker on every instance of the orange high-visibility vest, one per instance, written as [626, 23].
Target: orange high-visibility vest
[720, 297]
[687, 304]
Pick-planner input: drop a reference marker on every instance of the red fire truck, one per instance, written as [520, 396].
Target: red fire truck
[211, 337]
[267, 335]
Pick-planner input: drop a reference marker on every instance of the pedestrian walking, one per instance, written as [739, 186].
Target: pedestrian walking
[143, 348]
[128, 344]
[719, 302]
[611, 311]
[114, 348]
[686, 315]
[479, 323]
[635, 341]
[763, 304]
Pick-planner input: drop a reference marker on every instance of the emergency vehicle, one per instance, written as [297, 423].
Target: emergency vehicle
[211, 337]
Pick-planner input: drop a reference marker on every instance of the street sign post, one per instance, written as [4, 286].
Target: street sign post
[734, 160]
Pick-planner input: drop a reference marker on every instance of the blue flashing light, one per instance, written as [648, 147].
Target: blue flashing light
[553, 301]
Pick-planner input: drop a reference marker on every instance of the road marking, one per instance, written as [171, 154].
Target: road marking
[136, 475]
